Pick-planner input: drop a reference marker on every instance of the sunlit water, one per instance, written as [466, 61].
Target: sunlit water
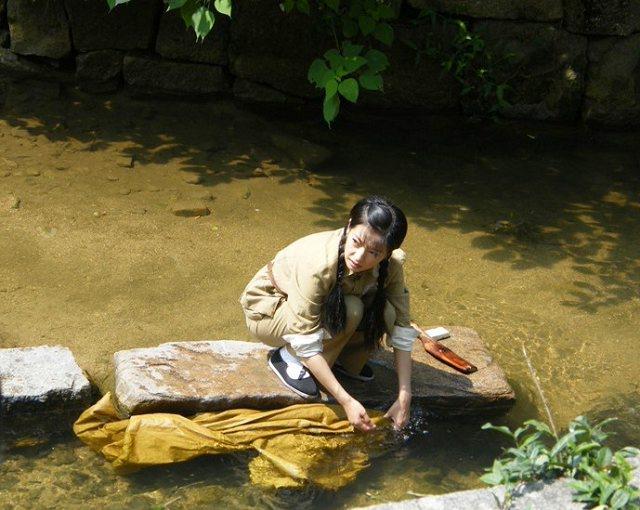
[528, 234]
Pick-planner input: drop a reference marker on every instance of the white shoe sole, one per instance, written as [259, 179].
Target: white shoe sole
[297, 392]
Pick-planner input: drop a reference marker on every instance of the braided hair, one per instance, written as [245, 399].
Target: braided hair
[390, 222]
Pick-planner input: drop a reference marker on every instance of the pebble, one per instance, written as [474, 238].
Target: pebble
[125, 161]
[154, 189]
[33, 173]
[191, 178]
[6, 173]
[124, 191]
[10, 202]
[112, 178]
[190, 209]
[259, 172]
[8, 163]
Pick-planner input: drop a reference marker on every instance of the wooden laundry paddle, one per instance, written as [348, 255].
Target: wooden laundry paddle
[443, 354]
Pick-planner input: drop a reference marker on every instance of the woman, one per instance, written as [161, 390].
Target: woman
[326, 300]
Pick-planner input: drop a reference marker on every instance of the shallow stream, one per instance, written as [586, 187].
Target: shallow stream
[529, 234]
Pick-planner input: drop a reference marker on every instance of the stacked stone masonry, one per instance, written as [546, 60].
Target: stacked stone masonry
[569, 59]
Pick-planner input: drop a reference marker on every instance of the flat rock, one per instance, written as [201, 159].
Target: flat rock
[189, 377]
[40, 384]
[147, 74]
[551, 495]
[190, 209]
[438, 387]
[39, 28]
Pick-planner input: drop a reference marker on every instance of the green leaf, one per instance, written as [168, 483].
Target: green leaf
[604, 457]
[303, 6]
[223, 7]
[384, 33]
[352, 64]
[349, 89]
[174, 4]
[335, 59]
[491, 479]
[377, 60]
[370, 81]
[114, 3]
[385, 11]
[366, 23]
[349, 28]
[562, 443]
[203, 20]
[334, 5]
[619, 499]
[502, 429]
[317, 71]
[287, 6]
[330, 88]
[187, 11]
[330, 108]
[351, 50]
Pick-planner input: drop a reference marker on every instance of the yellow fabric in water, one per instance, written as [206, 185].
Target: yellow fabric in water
[299, 444]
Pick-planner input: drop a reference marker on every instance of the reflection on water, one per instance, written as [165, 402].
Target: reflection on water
[528, 234]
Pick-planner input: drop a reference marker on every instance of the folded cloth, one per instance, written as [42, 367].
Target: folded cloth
[299, 444]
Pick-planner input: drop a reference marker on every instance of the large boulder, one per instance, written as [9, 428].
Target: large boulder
[544, 65]
[176, 41]
[276, 49]
[39, 28]
[148, 74]
[602, 17]
[40, 386]
[129, 26]
[612, 96]
[533, 10]
[99, 71]
[188, 377]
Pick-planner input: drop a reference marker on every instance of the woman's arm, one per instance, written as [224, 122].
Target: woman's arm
[356, 413]
[400, 410]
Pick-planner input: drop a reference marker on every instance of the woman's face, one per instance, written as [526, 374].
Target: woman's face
[364, 248]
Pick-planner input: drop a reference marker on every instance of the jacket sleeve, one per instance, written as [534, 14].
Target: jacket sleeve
[403, 335]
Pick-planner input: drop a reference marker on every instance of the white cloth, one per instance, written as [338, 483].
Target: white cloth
[306, 346]
[403, 338]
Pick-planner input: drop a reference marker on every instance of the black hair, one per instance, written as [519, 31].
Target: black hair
[390, 222]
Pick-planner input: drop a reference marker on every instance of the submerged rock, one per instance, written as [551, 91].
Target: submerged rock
[302, 152]
[189, 377]
[190, 209]
[41, 385]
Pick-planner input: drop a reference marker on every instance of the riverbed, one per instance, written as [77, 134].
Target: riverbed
[528, 233]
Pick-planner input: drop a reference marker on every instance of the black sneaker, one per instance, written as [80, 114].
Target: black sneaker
[366, 374]
[298, 379]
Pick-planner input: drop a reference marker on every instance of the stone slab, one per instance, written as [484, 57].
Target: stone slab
[147, 74]
[189, 377]
[40, 383]
[539, 495]
[39, 28]
[99, 71]
[438, 387]
[602, 17]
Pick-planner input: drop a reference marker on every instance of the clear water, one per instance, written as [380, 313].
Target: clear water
[529, 234]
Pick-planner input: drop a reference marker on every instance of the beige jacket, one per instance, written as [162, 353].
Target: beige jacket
[305, 273]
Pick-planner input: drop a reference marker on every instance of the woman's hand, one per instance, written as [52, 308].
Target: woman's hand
[357, 416]
[398, 413]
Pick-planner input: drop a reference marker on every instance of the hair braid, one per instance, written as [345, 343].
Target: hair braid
[374, 315]
[334, 312]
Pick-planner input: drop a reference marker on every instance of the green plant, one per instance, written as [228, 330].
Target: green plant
[197, 14]
[601, 477]
[463, 54]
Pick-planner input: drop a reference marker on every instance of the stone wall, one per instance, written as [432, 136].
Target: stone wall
[569, 59]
